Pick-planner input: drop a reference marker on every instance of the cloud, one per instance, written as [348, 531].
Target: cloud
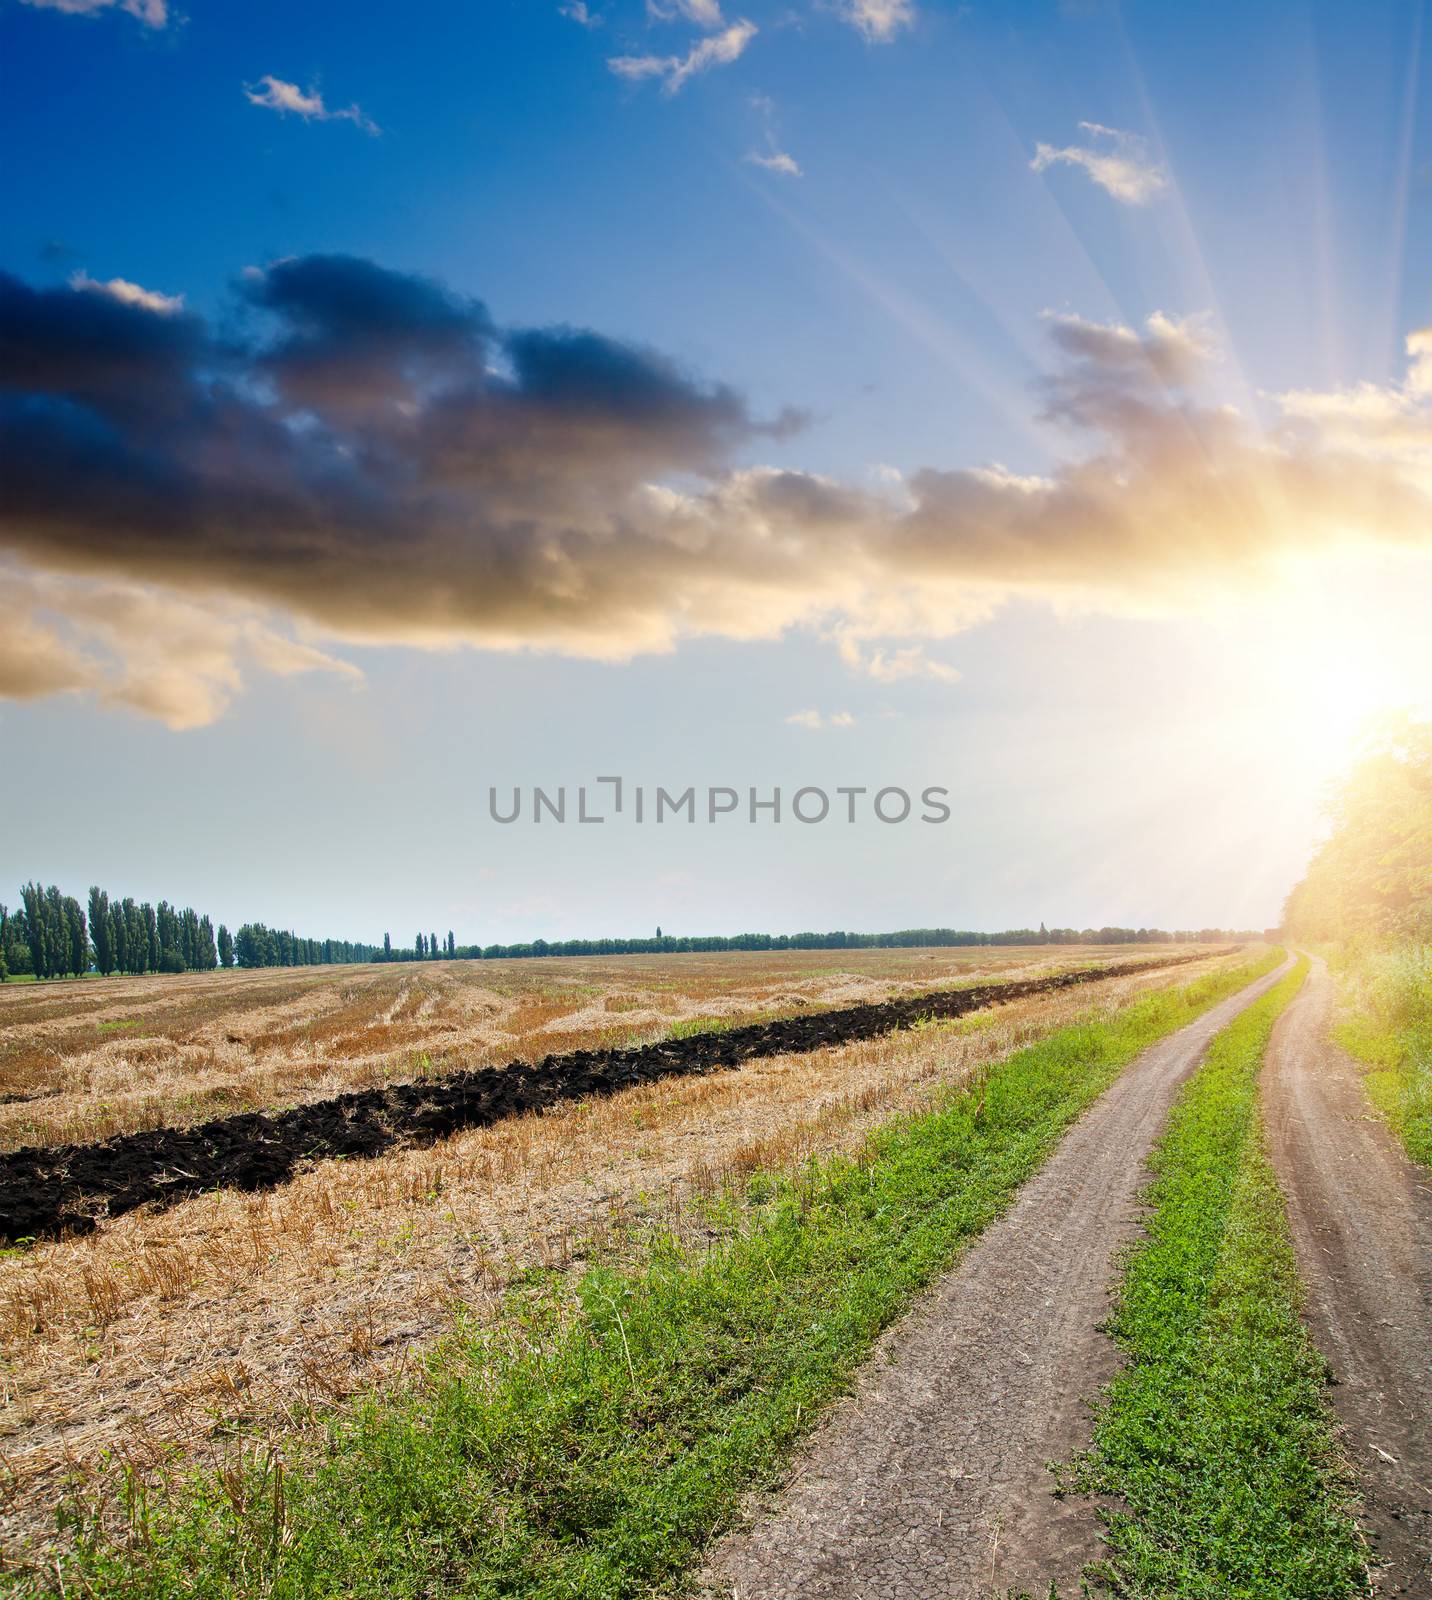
[772, 157]
[893, 665]
[702, 13]
[152, 13]
[720, 49]
[878, 20]
[176, 658]
[775, 161]
[130, 294]
[1122, 167]
[34, 659]
[276, 95]
[578, 11]
[816, 720]
[1387, 422]
[362, 455]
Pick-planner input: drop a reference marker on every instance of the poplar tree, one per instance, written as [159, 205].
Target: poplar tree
[78, 937]
[35, 929]
[57, 931]
[99, 925]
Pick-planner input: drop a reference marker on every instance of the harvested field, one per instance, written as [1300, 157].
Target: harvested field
[80, 1062]
[177, 1335]
[46, 1190]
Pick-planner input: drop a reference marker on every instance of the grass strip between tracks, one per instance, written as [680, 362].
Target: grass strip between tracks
[593, 1453]
[1216, 1438]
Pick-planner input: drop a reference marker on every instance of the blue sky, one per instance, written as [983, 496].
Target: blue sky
[1135, 725]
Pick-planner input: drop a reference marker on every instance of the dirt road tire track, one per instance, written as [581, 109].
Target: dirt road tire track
[1361, 1217]
[930, 1482]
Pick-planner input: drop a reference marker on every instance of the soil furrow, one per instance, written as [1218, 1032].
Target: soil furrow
[50, 1190]
[930, 1482]
[1361, 1217]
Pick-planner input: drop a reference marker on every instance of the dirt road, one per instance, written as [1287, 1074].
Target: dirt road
[930, 1482]
[1362, 1226]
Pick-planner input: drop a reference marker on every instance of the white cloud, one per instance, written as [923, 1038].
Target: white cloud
[816, 720]
[287, 658]
[152, 13]
[1387, 421]
[894, 665]
[775, 161]
[878, 20]
[1419, 371]
[579, 11]
[130, 294]
[1121, 165]
[772, 157]
[702, 13]
[719, 50]
[276, 95]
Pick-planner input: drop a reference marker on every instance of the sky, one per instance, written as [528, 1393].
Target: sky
[1032, 401]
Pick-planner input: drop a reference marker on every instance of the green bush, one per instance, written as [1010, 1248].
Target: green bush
[1387, 1024]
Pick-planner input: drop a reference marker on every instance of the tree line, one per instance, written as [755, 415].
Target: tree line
[254, 945]
[428, 948]
[51, 935]
[904, 939]
[1372, 876]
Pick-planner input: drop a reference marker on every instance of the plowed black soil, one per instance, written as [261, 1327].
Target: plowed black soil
[68, 1188]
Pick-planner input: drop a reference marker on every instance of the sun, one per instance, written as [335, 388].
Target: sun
[1330, 668]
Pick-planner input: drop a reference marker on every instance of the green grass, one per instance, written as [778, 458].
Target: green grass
[1386, 1023]
[691, 1027]
[1216, 1439]
[590, 1452]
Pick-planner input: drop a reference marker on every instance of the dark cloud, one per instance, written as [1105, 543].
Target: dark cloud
[89, 347]
[374, 456]
[374, 452]
[352, 334]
